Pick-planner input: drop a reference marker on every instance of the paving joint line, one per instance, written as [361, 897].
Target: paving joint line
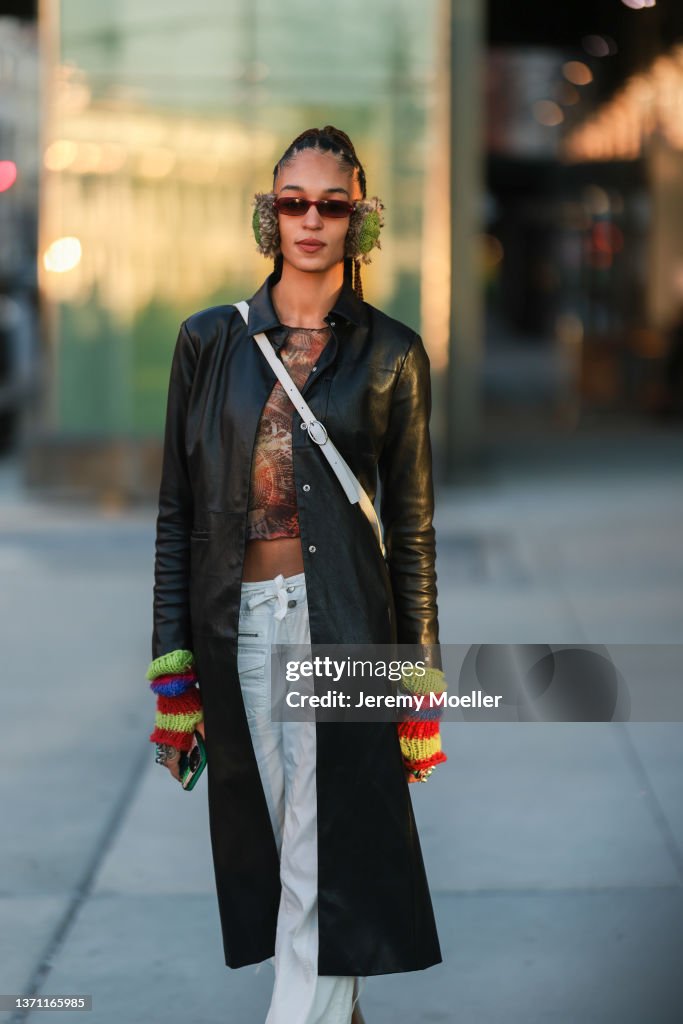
[84, 887]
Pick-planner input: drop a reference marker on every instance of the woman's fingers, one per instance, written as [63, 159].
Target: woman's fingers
[173, 762]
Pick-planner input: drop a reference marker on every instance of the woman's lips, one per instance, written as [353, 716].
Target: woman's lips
[310, 246]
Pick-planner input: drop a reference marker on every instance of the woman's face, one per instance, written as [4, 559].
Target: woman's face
[315, 175]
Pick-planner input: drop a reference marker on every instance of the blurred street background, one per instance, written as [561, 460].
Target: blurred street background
[530, 157]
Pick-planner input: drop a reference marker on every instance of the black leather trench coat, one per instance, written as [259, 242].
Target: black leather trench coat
[371, 388]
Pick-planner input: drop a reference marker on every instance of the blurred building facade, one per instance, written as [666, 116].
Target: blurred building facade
[582, 226]
[160, 124]
[20, 363]
[529, 165]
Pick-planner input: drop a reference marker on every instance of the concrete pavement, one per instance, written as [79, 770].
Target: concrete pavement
[554, 852]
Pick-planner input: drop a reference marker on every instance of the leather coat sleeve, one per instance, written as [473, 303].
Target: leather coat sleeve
[172, 627]
[407, 503]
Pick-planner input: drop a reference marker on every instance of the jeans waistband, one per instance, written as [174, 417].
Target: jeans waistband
[256, 592]
[252, 586]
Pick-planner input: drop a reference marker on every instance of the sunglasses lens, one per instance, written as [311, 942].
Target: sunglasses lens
[333, 208]
[291, 206]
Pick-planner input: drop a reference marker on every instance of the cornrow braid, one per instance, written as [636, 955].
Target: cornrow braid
[329, 140]
[357, 283]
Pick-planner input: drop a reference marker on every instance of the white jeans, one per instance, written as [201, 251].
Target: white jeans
[276, 611]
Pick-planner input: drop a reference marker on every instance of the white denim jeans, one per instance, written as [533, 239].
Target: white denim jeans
[271, 612]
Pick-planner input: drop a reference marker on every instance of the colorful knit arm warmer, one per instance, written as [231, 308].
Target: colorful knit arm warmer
[179, 703]
[418, 732]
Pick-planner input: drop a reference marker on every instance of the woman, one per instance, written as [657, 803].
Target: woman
[317, 861]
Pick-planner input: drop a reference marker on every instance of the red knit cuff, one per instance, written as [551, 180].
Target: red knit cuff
[420, 744]
[184, 703]
[179, 740]
[416, 729]
[426, 762]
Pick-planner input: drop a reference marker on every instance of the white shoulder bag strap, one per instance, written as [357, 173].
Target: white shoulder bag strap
[353, 488]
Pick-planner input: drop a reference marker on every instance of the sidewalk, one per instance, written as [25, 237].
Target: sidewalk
[554, 852]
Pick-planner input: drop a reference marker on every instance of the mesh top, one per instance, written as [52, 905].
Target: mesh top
[272, 510]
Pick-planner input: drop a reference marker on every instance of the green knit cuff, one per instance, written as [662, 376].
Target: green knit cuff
[167, 664]
[184, 722]
[428, 680]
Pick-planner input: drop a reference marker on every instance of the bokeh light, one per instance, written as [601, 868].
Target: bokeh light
[567, 94]
[548, 112]
[599, 46]
[8, 174]
[62, 255]
[576, 72]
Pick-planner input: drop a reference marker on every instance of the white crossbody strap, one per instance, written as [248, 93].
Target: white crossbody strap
[353, 488]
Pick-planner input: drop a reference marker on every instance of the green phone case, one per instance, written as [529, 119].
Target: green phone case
[192, 763]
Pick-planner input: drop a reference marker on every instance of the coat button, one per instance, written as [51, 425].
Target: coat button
[291, 604]
[302, 425]
[306, 487]
[311, 548]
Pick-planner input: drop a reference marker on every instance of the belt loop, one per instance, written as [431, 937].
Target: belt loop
[281, 594]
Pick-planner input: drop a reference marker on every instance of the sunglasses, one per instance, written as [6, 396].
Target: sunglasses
[295, 206]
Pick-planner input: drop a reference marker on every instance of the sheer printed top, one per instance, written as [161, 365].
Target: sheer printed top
[272, 510]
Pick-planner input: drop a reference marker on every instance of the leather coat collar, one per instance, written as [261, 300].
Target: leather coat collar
[262, 315]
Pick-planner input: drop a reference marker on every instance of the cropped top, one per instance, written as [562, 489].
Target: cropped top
[272, 509]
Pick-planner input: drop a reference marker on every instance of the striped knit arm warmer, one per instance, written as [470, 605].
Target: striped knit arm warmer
[418, 732]
[179, 704]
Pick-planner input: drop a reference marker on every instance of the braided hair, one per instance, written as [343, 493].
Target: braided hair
[327, 140]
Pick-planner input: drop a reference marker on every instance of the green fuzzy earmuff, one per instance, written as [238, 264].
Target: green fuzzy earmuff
[362, 236]
[368, 232]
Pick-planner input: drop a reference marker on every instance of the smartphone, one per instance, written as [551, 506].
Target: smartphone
[192, 762]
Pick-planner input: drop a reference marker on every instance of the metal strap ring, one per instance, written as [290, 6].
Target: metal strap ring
[316, 425]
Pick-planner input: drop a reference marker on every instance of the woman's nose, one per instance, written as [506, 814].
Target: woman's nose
[312, 219]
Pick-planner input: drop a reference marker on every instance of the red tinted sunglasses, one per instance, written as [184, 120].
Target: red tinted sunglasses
[295, 206]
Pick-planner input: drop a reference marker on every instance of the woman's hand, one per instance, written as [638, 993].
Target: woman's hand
[172, 760]
[174, 755]
[412, 778]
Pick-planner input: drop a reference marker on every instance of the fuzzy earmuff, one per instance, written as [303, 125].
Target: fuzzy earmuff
[265, 224]
[363, 235]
